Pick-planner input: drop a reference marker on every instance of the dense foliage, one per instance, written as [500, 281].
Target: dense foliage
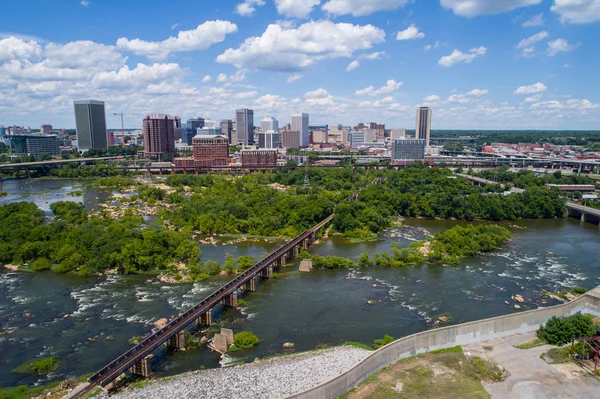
[527, 178]
[38, 366]
[558, 331]
[99, 169]
[245, 340]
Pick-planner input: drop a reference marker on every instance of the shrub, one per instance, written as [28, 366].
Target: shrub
[582, 325]
[556, 331]
[378, 343]
[578, 290]
[38, 366]
[40, 264]
[245, 340]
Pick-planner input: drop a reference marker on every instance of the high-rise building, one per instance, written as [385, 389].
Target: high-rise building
[269, 123]
[227, 128]
[2, 132]
[245, 126]
[270, 139]
[178, 131]
[159, 131]
[90, 121]
[192, 125]
[300, 124]
[408, 149]
[423, 131]
[45, 128]
[290, 139]
[34, 144]
[210, 151]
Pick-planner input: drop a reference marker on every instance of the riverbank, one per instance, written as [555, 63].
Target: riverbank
[270, 378]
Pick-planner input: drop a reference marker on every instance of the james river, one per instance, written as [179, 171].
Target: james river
[72, 317]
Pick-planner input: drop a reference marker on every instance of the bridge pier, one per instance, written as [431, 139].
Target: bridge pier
[267, 272]
[231, 300]
[250, 285]
[282, 260]
[143, 367]
[177, 341]
[205, 319]
[582, 217]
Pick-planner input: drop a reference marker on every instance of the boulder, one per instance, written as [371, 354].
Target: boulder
[519, 298]
[161, 323]
[203, 340]
[442, 319]
[371, 302]
[517, 307]
[288, 345]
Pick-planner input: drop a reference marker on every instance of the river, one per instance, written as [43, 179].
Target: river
[87, 322]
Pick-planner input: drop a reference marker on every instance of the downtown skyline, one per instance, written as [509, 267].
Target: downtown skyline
[522, 64]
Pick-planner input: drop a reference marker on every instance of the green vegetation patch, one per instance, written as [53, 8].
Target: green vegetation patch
[531, 344]
[38, 366]
[561, 331]
[245, 340]
[3, 194]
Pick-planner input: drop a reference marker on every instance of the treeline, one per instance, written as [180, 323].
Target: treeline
[527, 178]
[522, 136]
[446, 248]
[100, 169]
[76, 241]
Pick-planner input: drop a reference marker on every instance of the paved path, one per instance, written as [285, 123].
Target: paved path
[531, 377]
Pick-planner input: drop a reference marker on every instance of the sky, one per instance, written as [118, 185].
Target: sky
[479, 64]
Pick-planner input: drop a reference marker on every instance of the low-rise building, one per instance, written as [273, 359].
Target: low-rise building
[210, 151]
[259, 158]
[34, 144]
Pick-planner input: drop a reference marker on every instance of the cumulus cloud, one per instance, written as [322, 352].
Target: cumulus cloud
[532, 40]
[534, 99]
[477, 92]
[390, 87]
[536, 20]
[207, 78]
[431, 98]
[577, 11]
[282, 48]
[248, 7]
[139, 76]
[83, 53]
[353, 65]
[360, 8]
[201, 38]
[559, 45]
[84, 3]
[237, 77]
[372, 56]
[319, 93]
[458, 56]
[412, 32]
[294, 77]
[16, 48]
[432, 46]
[533, 89]
[296, 8]
[572, 104]
[473, 8]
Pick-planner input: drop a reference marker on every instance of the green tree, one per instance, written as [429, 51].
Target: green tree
[556, 331]
[212, 267]
[245, 262]
[364, 260]
[582, 325]
[245, 339]
[229, 264]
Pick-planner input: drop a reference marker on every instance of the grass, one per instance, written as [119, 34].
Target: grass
[531, 344]
[140, 383]
[358, 345]
[38, 366]
[441, 374]
[557, 355]
[23, 391]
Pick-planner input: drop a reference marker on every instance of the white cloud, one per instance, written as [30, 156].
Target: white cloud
[245, 95]
[83, 53]
[141, 75]
[431, 98]
[458, 56]
[534, 99]
[533, 89]
[296, 8]
[201, 38]
[84, 3]
[434, 45]
[528, 52]
[477, 92]
[536, 20]
[207, 78]
[412, 32]
[239, 76]
[372, 56]
[390, 87]
[572, 104]
[532, 40]
[360, 8]
[17, 48]
[319, 93]
[577, 11]
[473, 8]
[559, 45]
[458, 98]
[353, 65]
[294, 77]
[175, 25]
[283, 48]
[247, 8]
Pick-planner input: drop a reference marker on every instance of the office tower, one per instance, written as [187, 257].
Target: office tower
[270, 139]
[90, 121]
[227, 128]
[245, 126]
[300, 124]
[46, 128]
[192, 125]
[357, 138]
[408, 149]
[177, 128]
[269, 123]
[423, 131]
[34, 144]
[159, 131]
[210, 151]
[290, 139]
[2, 132]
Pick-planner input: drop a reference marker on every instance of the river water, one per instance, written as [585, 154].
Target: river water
[87, 322]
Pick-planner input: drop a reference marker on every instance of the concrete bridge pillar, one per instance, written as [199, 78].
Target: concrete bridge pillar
[582, 217]
[143, 367]
[305, 243]
[177, 341]
[250, 285]
[267, 272]
[205, 319]
[283, 260]
[231, 300]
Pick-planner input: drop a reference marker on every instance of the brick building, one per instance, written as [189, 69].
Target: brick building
[259, 158]
[159, 136]
[210, 150]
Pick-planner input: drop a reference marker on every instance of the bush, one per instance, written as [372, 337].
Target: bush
[3, 193]
[582, 325]
[38, 366]
[578, 290]
[556, 331]
[245, 340]
[378, 343]
[40, 264]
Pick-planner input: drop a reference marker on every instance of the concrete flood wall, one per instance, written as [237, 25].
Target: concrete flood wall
[448, 337]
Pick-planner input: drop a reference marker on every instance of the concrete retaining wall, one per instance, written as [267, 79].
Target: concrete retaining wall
[448, 337]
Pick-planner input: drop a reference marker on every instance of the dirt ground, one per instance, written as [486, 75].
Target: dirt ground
[530, 376]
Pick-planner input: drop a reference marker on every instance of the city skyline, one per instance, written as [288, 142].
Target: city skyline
[388, 58]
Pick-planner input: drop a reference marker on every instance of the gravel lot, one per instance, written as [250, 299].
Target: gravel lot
[266, 379]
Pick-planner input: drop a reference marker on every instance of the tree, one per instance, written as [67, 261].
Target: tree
[364, 261]
[582, 325]
[212, 267]
[245, 262]
[229, 265]
[556, 331]
[245, 339]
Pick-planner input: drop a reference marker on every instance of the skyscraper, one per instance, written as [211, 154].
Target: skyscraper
[227, 128]
[245, 126]
[269, 123]
[423, 131]
[300, 124]
[90, 121]
[192, 125]
[159, 136]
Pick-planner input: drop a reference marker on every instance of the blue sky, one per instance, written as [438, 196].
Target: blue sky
[479, 64]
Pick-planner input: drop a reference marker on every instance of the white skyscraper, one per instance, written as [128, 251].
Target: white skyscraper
[269, 123]
[300, 124]
[423, 131]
